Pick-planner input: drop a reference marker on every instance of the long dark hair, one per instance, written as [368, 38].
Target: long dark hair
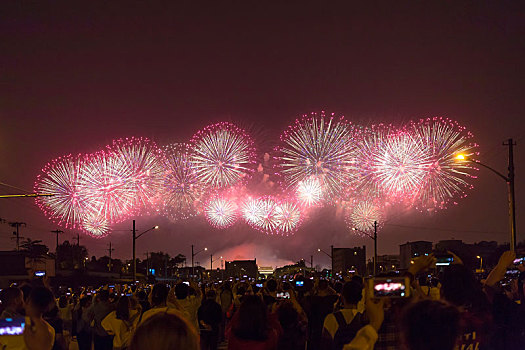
[252, 323]
[460, 288]
[123, 308]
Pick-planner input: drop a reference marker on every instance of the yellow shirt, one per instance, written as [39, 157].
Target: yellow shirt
[331, 325]
[122, 330]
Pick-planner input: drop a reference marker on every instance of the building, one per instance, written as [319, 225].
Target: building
[17, 266]
[410, 250]
[293, 269]
[387, 263]
[241, 268]
[345, 260]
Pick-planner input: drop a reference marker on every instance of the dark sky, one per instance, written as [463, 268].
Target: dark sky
[73, 77]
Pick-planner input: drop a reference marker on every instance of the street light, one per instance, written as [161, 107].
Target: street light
[374, 238]
[480, 263]
[192, 259]
[509, 179]
[212, 261]
[329, 255]
[135, 237]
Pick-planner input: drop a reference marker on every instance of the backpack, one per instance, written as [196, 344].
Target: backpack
[346, 331]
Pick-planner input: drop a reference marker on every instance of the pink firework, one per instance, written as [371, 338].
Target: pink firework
[221, 212]
[397, 163]
[445, 178]
[60, 177]
[362, 215]
[262, 214]
[143, 160]
[309, 192]
[105, 185]
[181, 187]
[288, 216]
[223, 155]
[319, 146]
[95, 226]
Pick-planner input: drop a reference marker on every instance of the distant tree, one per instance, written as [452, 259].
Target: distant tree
[178, 260]
[71, 256]
[34, 250]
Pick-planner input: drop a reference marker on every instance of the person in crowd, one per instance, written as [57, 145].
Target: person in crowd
[13, 303]
[164, 331]
[121, 323]
[98, 311]
[65, 312]
[430, 325]
[270, 293]
[38, 334]
[460, 288]
[161, 302]
[226, 301]
[294, 325]
[189, 297]
[82, 323]
[320, 304]
[210, 317]
[53, 318]
[250, 327]
[143, 300]
[340, 327]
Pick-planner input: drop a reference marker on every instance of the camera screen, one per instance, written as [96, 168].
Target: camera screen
[389, 288]
[299, 283]
[283, 295]
[444, 260]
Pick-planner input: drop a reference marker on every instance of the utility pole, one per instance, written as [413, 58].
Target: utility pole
[512, 200]
[134, 260]
[192, 256]
[311, 261]
[147, 263]
[375, 248]
[332, 257]
[78, 239]
[17, 225]
[110, 250]
[57, 232]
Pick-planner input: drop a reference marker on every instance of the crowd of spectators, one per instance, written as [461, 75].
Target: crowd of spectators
[445, 309]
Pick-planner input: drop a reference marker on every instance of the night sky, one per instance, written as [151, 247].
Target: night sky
[74, 77]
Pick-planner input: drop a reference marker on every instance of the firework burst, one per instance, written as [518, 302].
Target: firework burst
[60, 178]
[221, 212]
[143, 159]
[181, 187]
[288, 216]
[105, 186]
[96, 226]
[445, 178]
[362, 215]
[223, 155]
[397, 164]
[309, 192]
[322, 147]
[262, 214]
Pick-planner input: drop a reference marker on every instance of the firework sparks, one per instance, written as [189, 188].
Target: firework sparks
[309, 192]
[445, 178]
[398, 163]
[60, 177]
[288, 216]
[96, 226]
[322, 147]
[104, 184]
[363, 215]
[221, 212]
[223, 155]
[181, 188]
[143, 160]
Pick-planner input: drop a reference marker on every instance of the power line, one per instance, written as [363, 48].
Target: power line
[444, 229]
